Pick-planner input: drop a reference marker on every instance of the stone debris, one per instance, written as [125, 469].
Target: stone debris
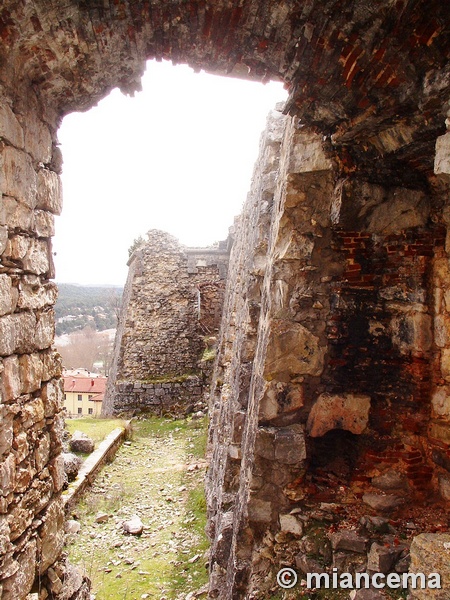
[72, 526]
[383, 502]
[102, 517]
[82, 443]
[133, 526]
[72, 464]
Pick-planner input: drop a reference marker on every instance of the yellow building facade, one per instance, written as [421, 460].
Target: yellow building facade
[83, 396]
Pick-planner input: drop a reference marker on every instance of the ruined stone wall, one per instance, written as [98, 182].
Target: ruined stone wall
[328, 401]
[299, 412]
[31, 466]
[172, 309]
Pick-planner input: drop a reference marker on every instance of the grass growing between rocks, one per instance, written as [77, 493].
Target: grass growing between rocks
[158, 476]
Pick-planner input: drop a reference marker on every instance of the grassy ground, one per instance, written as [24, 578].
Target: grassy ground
[97, 429]
[159, 477]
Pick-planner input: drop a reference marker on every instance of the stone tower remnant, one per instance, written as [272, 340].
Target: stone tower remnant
[171, 314]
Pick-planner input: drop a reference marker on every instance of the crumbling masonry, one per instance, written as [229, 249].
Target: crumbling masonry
[331, 389]
[170, 317]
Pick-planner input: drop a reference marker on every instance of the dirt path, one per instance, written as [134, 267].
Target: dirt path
[157, 476]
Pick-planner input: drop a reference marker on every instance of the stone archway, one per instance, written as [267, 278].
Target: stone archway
[372, 81]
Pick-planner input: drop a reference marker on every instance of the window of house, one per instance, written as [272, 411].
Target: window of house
[90, 396]
[80, 410]
[90, 411]
[65, 396]
[80, 397]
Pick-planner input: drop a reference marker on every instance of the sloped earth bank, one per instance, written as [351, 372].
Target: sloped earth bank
[158, 475]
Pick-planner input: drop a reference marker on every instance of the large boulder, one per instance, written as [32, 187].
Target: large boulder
[72, 465]
[80, 442]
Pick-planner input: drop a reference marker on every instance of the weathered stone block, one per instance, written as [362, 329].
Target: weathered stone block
[280, 398]
[264, 443]
[3, 238]
[21, 446]
[73, 581]
[38, 139]
[290, 524]
[430, 553]
[16, 215]
[8, 295]
[290, 445]
[32, 412]
[80, 442]
[45, 330]
[292, 350]
[10, 128]
[412, 332]
[33, 254]
[383, 502]
[30, 372]
[6, 430]
[17, 333]
[71, 465]
[444, 487]
[381, 558]
[440, 431]
[259, 510]
[348, 540]
[52, 534]
[7, 475]
[307, 153]
[49, 191]
[56, 468]
[441, 401]
[52, 397]
[345, 411]
[17, 247]
[42, 452]
[445, 364]
[405, 209]
[18, 585]
[37, 258]
[24, 476]
[12, 386]
[4, 536]
[442, 157]
[19, 178]
[391, 480]
[52, 365]
[34, 295]
[44, 224]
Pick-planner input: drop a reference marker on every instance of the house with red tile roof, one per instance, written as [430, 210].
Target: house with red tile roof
[83, 394]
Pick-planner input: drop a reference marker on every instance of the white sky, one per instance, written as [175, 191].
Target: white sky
[178, 156]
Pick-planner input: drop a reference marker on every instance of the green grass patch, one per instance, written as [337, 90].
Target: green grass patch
[94, 427]
[170, 378]
[208, 354]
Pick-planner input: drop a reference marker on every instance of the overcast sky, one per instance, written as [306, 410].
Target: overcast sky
[178, 156]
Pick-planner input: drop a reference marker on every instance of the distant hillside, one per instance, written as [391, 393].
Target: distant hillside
[79, 306]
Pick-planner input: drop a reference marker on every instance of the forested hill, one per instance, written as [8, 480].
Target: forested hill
[79, 306]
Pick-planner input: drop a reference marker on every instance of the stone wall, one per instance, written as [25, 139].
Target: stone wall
[328, 404]
[31, 466]
[171, 313]
[309, 286]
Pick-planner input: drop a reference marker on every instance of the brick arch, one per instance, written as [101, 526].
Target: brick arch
[343, 62]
